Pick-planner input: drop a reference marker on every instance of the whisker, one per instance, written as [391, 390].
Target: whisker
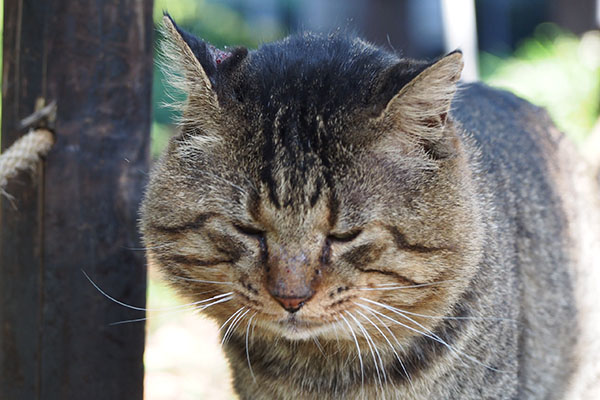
[182, 278]
[394, 286]
[205, 306]
[384, 336]
[239, 310]
[127, 321]
[145, 318]
[371, 345]
[460, 318]
[188, 305]
[236, 323]
[454, 351]
[397, 322]
[316, 341]
[449, 317]
[433, 335]
[247, 350]
[252, 333]
[232, 326]
[171, 313]
[362, 369]
[393, 349]
[337, 338]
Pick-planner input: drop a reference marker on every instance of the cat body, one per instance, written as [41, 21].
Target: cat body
[360, 231]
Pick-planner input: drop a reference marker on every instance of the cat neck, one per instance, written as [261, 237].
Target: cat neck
[313, 367]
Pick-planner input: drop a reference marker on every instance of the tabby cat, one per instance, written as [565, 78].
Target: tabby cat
[360, 230]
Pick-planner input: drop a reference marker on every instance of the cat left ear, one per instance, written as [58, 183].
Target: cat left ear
[198, 67]
[421, 107]
[189, 53]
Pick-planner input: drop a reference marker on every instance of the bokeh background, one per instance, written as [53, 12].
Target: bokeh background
[547, 51]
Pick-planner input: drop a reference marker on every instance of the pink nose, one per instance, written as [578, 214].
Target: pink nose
[292, 304]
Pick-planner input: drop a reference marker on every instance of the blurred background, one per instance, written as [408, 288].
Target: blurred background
[547, 51]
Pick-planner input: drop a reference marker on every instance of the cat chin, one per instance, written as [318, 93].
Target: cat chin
[298, 335]
[293, 329]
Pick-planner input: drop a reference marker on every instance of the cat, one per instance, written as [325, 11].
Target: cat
[360, 230]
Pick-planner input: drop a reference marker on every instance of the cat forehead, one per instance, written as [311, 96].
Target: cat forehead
[324, 73]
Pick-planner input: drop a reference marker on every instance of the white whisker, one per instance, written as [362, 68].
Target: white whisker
[337, 338]
[394, 286]
[387, 284]
[393, 349]
[316, 341]
[397, 322]
[384, 336]
[239, 310]
[174, 312]
[247, 350]
[199, 280]
[232, 326]
[205, 306]
[146, 318]
[127, 321]
[433, 335]
[362, 369]
[371, 345]
[460, 318]
[188, 305]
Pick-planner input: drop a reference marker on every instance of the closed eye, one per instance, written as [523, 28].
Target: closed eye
[344, 237]
[249, 230]
[257, 234]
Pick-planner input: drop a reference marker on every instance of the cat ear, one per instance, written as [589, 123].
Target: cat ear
[192, 66]
[421, 107]
[187, 54]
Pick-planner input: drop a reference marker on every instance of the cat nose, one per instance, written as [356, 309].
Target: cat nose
[292, 304]
[291, 278]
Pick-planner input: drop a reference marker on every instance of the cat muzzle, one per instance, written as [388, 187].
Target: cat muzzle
[291, 281]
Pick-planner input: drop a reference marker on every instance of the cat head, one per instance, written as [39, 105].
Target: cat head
[315, 180]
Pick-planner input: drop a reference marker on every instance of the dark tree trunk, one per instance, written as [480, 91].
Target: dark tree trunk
[79, 211]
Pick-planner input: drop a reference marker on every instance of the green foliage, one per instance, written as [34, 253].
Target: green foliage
[216, 23]
[556, 70]
[160, 138]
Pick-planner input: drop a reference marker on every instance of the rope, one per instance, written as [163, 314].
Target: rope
[24, 154]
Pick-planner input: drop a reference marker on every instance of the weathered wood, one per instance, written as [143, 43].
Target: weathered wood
[80, 212]
[20, 221]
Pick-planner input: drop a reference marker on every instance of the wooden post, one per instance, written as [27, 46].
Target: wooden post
[79, 211]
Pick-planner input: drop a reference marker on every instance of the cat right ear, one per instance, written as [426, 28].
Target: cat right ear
[190, 65]
[418, 112]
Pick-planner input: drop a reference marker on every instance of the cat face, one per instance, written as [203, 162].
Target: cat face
[306, 195]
